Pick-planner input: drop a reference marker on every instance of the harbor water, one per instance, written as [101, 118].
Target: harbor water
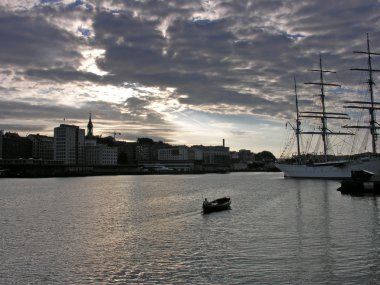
[151, 230]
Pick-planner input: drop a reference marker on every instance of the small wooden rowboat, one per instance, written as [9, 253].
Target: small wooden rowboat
[220, 204]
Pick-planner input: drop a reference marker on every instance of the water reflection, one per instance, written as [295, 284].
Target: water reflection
[150, 230]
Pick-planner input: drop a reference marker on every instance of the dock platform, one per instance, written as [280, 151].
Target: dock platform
[362, 182]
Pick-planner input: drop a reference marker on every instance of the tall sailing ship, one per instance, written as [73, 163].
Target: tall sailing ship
[324, 165]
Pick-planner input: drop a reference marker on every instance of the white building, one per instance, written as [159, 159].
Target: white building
[196, 154]
[213, 154]
[69, 144]
[174, 153]
[99, 154]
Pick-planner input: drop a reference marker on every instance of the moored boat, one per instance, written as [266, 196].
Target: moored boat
[220, 204]
[306, 165]
[339, 169]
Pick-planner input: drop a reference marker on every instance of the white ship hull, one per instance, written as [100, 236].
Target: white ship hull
[331, 170]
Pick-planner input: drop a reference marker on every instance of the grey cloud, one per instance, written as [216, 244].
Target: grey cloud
[135, 110]
[62, 75]
[21, 110]
[28, 41]
[103, 113]
[29, 129]
[195, 53]
[250, 45]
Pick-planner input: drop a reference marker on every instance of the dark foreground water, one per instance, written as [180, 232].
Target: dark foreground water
[150, 230]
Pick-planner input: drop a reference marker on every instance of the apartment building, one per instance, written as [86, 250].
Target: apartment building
[69, 144]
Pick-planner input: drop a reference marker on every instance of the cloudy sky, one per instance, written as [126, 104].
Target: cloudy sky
[185, 72]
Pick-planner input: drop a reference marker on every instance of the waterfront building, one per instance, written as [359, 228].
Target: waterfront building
[174, 153]
[176, 158]
[214, 158]
[214, 154]
[196, 154]
[234, 156]
[108, 155]
[14, 146]
[91, 156]
[99, 154]
[42, 147]
[246, 156]
[127, 152]
[241, 160]
[147, 149]
[69, 144]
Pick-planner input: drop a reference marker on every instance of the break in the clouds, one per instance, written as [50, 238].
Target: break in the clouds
[187, 72]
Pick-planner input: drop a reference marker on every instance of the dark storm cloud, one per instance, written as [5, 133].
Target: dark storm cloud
[198, 57]
[29, 41]
[193, 59]
[217, 55]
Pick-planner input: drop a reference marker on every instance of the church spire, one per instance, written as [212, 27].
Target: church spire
[89, 128]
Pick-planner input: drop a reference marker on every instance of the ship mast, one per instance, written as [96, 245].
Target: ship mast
[296, 129]
[324, 115]
[298, 123]
[370, 105]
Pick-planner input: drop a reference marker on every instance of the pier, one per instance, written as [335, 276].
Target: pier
[362, 182]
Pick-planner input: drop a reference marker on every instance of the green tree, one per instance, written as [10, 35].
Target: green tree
[265, 156]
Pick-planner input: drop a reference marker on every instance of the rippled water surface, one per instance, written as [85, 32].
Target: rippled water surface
[151, 230]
